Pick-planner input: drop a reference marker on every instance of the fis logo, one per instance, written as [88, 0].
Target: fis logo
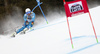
[76, 7]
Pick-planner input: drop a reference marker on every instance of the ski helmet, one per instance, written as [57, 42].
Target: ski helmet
[27, 10]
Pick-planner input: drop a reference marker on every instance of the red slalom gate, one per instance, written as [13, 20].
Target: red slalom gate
[77, 7]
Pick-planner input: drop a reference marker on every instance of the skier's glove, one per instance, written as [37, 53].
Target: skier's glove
[32, 23]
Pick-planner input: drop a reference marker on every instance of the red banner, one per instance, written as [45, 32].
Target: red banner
[76, 7]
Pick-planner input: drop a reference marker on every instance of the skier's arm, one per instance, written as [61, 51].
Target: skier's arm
[25, 17]
[33, 16]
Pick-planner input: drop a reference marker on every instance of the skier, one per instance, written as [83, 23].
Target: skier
[29, 18]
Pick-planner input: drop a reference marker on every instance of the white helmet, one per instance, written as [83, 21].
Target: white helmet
[27, 10]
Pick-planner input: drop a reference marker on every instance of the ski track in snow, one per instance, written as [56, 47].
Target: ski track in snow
[57, 40]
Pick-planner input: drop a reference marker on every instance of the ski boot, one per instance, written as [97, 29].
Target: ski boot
[14, 34]
[24, 31]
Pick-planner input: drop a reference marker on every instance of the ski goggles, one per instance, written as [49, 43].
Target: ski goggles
[28, 12]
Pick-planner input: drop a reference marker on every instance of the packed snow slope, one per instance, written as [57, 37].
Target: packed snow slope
[53, 38]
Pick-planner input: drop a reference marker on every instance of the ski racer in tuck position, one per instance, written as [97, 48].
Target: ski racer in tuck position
[29, 18]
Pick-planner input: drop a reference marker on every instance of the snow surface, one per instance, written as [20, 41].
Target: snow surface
[54, 38]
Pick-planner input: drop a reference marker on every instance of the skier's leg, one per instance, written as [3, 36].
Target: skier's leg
[21, 29]
[13, 35]
[32, 23]
[24, 26]
[27, 27]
